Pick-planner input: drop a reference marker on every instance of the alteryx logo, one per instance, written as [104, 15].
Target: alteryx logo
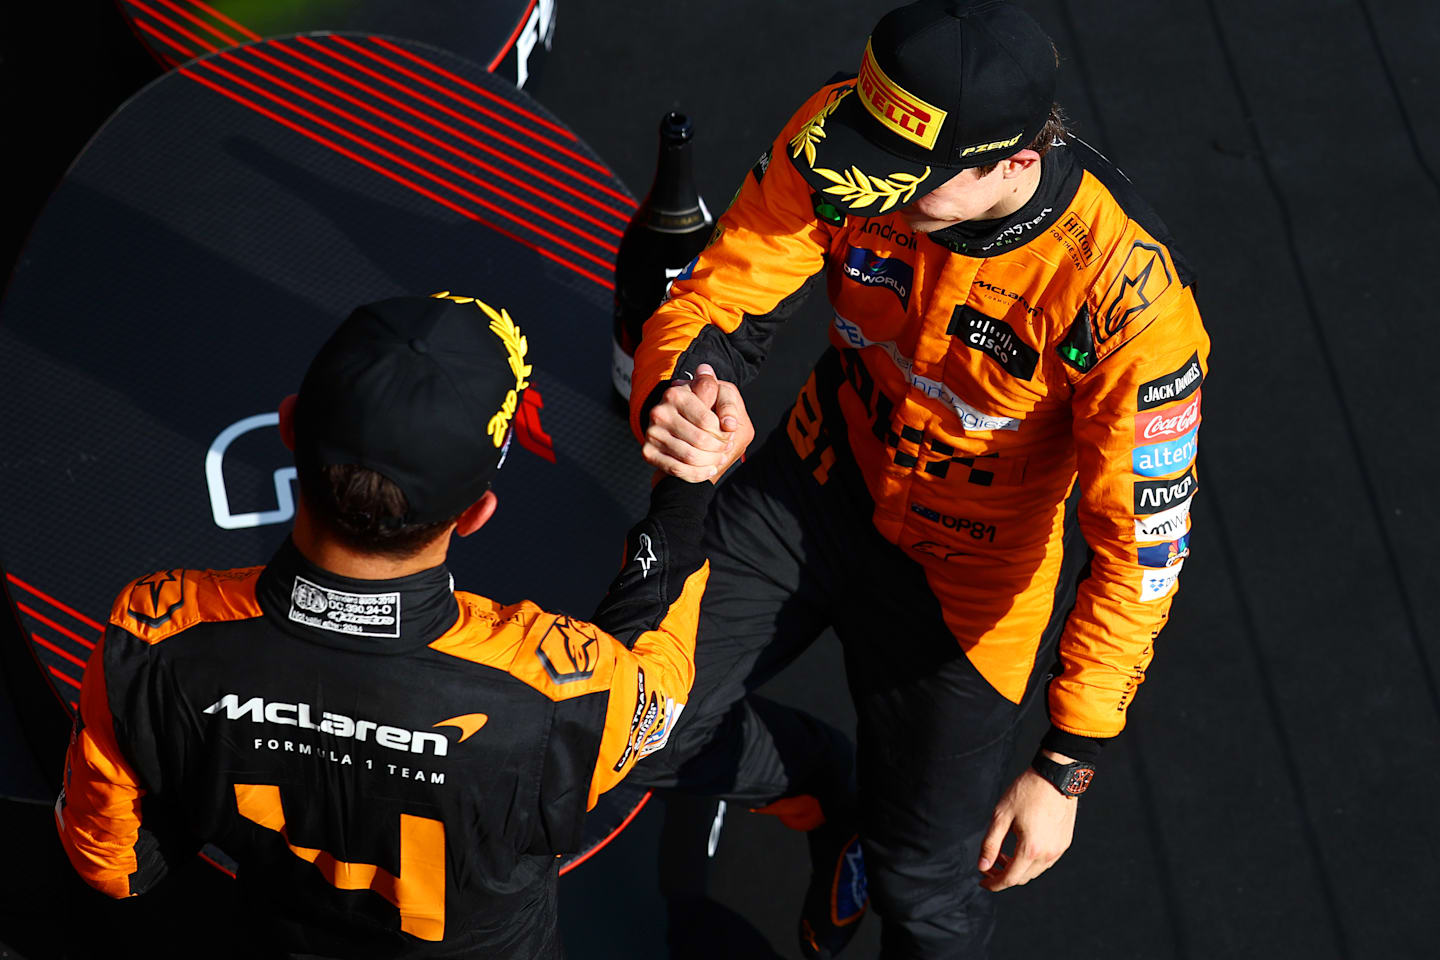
[1165, 554]
[1160, 459]
[869, 269]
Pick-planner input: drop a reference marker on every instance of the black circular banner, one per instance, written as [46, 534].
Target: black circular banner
[204, 245]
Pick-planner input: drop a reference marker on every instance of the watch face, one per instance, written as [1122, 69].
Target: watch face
[1078, 781]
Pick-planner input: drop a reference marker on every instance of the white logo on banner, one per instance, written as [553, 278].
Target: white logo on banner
[215, 480]
[540, 26]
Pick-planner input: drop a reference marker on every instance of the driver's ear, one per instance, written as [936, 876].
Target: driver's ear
[287, 422]
[476, 514]
[1018, 163]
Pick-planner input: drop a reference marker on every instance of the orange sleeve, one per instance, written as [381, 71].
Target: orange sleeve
[649, 688]
[98, 811]
[765, 247]
[1136, 427]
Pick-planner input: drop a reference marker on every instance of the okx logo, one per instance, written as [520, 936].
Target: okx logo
[869, 269]
[1159, 459]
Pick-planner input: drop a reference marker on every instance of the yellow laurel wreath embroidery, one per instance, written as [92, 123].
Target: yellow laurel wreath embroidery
[516, 346]
[855, 189]
[814, 130]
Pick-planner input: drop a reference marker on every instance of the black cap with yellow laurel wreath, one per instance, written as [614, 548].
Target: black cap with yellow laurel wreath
[422, 390]
[944, 85]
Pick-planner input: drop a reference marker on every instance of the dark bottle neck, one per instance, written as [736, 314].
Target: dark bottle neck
[673, 204]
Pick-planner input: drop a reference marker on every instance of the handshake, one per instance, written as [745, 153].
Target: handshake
[698, 429]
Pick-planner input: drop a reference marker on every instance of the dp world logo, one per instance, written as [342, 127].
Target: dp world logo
[869, 269]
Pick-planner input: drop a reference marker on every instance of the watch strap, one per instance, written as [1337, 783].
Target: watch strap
[1071, 779]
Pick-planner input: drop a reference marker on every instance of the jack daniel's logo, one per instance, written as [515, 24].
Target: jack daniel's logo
[1176, 385]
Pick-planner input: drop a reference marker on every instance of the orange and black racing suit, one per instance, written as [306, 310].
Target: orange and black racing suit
[915, 497]
[394, 764]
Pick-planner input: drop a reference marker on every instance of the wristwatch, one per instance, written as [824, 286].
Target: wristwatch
[1071, 779]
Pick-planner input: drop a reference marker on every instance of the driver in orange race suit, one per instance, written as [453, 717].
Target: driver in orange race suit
[1011, 325]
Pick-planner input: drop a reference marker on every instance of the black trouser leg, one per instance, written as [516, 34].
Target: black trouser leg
[768, 597]
[934, 745]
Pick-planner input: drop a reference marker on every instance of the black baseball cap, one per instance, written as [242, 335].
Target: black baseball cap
[422, 390]
[944, 85]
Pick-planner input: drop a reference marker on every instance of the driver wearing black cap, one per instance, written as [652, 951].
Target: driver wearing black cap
[1011, 325]
[395, 764]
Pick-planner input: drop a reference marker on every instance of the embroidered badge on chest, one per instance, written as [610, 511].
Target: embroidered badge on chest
[996, 339]
[870, 269]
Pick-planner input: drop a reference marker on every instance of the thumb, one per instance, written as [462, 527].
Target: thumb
[729, 407]
[990, 847]
[705, 386]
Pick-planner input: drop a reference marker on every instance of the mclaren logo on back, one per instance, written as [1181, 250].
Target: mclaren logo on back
[303, 716]
[1143, 278]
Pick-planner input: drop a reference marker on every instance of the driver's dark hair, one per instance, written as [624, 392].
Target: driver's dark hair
[363, 511]
[1056, 128]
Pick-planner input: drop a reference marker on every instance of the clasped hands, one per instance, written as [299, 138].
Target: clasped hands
[699, 428]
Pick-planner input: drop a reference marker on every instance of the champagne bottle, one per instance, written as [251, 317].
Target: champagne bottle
[669, 228]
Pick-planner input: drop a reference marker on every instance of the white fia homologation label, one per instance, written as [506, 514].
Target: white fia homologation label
[362, 614]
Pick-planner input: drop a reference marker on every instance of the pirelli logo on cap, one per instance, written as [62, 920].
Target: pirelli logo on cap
[992, 145]
[899, 110]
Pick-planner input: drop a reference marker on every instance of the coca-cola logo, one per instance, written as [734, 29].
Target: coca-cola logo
[1168, 422]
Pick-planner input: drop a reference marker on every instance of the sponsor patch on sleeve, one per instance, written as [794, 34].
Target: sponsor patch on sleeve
[1165, 554]
[1167, 423]
[761, 166]
[661, 734]
[1175, 385]
[1155, 496]
[1159, 459]
[1165, 525]
[155, 599]
[1159, 584]
[1143, 277]
[569, 650]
